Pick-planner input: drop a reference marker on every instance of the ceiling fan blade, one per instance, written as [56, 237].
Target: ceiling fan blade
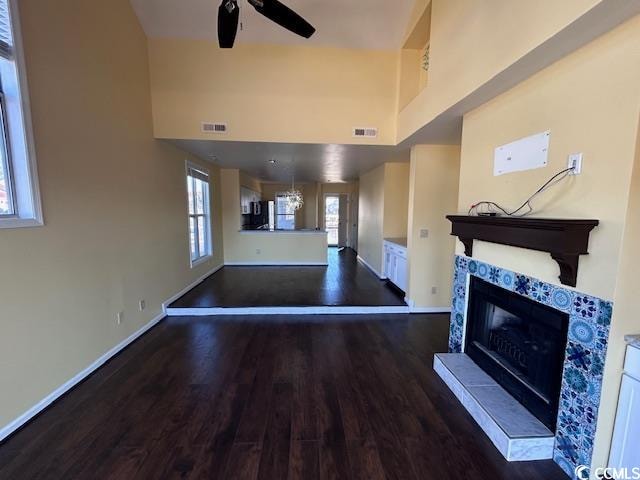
[228, 19]
[284, 16]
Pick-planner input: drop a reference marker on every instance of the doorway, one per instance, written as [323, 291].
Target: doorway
[336, 213]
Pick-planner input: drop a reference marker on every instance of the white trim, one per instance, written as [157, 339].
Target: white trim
[208, 216]
[348, 219]
[364, 262]
[466, 312]
[15, 222]
[200, 261]
[276, 264]
[414, 309]
[320, 310]
[27, 195]
[429, 309]
[191, 286]
[64, 388]
[20, 421]
[282, 232]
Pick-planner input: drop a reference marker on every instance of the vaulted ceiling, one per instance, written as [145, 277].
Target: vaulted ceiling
[372, 24]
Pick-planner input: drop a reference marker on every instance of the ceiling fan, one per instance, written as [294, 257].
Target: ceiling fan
[229, 15]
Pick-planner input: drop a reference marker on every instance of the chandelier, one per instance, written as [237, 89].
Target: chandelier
[294, 197]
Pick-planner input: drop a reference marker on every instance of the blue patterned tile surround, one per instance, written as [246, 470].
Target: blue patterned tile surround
[589, 323]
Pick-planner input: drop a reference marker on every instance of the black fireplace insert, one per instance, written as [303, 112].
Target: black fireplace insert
[520, 343]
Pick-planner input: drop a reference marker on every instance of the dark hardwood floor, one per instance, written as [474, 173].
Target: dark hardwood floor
[279, 398]
[345, 282]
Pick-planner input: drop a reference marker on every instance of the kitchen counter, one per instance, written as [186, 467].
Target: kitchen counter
[284, 232]
[401, 242]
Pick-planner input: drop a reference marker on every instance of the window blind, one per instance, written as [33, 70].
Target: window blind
[196, 173]
[6, 40]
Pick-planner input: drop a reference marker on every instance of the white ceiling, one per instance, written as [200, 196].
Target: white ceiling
[309, 162]
[372, 24]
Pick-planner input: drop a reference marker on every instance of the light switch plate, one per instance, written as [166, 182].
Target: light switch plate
[424, 233]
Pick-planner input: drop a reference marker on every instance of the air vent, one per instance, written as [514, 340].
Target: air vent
[365, 132]
[209, 127]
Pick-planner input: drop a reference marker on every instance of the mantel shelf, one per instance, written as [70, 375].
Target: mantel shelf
[564, 239]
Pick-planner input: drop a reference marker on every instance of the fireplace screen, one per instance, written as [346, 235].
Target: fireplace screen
[520, 343]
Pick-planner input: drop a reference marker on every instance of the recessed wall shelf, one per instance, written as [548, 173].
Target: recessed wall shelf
[564, 239]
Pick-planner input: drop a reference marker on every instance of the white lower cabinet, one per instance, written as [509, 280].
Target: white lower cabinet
[626, 437]
[396, 265]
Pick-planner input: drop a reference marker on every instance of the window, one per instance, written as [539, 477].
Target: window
[7, 205]
[285, 213]
[199, 216]
[19, 196]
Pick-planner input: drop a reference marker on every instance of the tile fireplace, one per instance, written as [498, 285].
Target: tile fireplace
[543, 344]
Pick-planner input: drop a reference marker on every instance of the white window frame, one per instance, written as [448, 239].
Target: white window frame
[194, 262]
[20, 146]
[278, 215]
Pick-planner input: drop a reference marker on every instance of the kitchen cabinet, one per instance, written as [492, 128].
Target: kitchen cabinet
[395, 264]
[247, 197]
[626, 436]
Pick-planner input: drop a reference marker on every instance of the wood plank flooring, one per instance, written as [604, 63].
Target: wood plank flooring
[255, 398]
[345, 282]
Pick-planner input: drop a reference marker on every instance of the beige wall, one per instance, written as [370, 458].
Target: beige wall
[433, 194]
[354, 205]
[310, 209]
[471, 42]
[409, 66]
[263, 248]
[370, 218]
[382, 210]
[272, 93]
[396, 200]
[590, 102]
[250, 182]
[626, 320]
[114, 202]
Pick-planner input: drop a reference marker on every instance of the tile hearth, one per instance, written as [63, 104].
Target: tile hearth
[588, 336]
[515, 432]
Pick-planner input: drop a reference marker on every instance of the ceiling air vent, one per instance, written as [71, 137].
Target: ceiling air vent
[210, 127]
[365, 132]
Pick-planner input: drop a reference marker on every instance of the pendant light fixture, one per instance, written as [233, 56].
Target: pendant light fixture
[294, 196]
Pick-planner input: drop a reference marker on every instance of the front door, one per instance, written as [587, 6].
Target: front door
[343, 220]
[336, 219]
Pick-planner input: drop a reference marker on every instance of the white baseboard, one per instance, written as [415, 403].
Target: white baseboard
[166, 310]
[64, 388]
[320, 310]
[414, 309]
[429, 309]
[276, 264]
[189, 287]
[364, 262]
